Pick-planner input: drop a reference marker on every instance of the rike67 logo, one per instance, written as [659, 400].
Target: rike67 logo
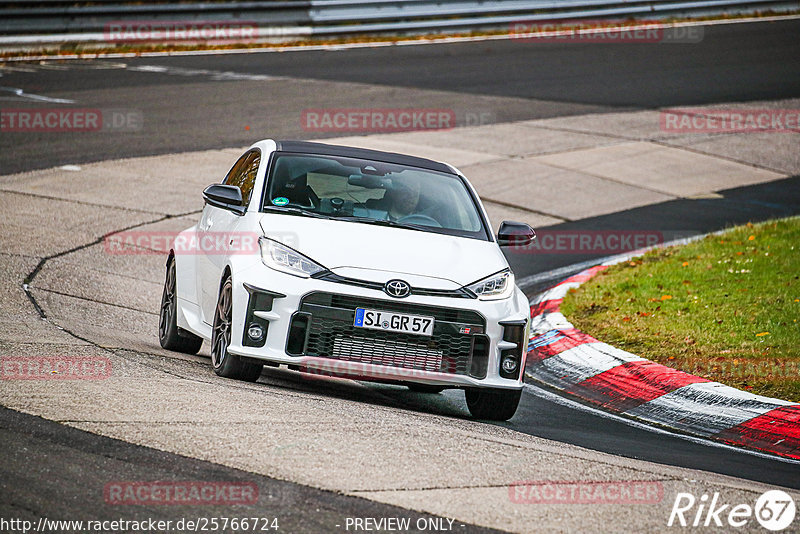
[774, 510]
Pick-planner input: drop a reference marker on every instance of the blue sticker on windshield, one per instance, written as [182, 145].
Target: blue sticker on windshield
[280, 201]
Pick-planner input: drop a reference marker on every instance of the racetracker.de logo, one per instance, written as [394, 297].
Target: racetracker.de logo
[70, 120]
[205, 243]
[589, 241]
[349, 368]
[55, 368]
[730, 120]
[586, 492]
[371, 120]
[218, 31]
[193, 492]
[603, 31]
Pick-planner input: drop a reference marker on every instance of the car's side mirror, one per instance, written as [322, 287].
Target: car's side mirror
[227, 197]
[515, 233]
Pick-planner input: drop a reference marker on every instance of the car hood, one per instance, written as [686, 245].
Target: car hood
[380, 253]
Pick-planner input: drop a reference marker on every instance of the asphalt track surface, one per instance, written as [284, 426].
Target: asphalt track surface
[513, 80]
[36, 451]
[203, 102]
[674, 219]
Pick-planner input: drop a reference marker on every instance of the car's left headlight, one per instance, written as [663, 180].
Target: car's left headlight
[287, 260]
[495, 287]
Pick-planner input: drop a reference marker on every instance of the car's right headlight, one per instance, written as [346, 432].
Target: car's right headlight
[287, 260]
[495, 287]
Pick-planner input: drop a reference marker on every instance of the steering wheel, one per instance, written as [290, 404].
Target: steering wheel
[419, 218]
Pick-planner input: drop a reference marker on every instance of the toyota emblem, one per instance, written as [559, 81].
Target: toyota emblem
[397, 289]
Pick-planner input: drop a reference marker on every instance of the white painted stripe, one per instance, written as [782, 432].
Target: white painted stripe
[555, 274]
[557, 292]
[704, 409]
[717, 390]
[618, 355]
[20, 68]
[564, 401]
[559, 374]
[216, 75]
[580, 363]
[22, 94]
[549, 321]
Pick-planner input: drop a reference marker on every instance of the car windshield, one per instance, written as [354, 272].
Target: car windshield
[372, 192]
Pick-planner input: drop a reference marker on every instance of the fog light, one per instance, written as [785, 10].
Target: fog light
[509, 364]
[255, 332]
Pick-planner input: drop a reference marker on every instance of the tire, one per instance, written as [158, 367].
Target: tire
[425, 388]
[492, 404]
[226, 364]
[170, 335]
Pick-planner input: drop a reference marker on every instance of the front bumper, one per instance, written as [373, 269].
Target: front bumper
[308, 324]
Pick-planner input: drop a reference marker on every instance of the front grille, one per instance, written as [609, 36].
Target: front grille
[328, 321]
[386, 352]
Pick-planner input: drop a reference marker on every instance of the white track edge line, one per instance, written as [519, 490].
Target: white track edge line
[575, 405]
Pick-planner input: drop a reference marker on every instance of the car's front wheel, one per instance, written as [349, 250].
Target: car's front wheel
[492, 404]
[225, 364]
[170, 335]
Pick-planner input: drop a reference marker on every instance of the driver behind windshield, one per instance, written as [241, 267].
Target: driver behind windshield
[403, 199]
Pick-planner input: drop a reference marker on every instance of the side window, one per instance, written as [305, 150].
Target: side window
[233, 174]
[250, 171]
[243, 174]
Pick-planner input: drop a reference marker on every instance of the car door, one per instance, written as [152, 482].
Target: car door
[217, 228]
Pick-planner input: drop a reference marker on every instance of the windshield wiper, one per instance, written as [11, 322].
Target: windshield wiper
[379, 222]
[384, 222]
[296, 211]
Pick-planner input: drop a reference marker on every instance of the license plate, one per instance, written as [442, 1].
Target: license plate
[394, 322]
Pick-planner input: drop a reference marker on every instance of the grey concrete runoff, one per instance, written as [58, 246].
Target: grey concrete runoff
[332, 434]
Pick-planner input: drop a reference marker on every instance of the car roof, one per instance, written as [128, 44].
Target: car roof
[307, 147]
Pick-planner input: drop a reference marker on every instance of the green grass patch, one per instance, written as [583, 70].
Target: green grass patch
[725, 308]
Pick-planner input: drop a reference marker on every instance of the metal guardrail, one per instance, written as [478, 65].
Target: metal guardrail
[58, 21]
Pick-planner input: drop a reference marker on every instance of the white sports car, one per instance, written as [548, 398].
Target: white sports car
[350, 262]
